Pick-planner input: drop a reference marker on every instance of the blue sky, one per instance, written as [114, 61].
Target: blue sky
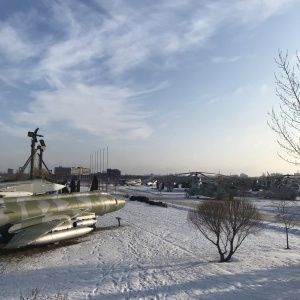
[168, 86]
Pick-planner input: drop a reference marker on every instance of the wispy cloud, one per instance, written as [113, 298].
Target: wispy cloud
[265, 88]
[255, 11]
[213, 100]
[13, 46]
[76, 56]
[128, 37]
[13, 130]
[99, 110]
[225, 59]
[239, 91]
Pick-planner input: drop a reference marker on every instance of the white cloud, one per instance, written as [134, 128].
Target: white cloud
[121, 37]
[77, 66]
[239, 91]
[13, 130]
[13, 46]
[98, 110]
[213, 100]
[225, 59]
[256, 11]
[163, 125]
[264, 89]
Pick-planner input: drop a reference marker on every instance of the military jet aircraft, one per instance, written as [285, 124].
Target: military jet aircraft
[37, 220]
[129, 182]
[28, 188]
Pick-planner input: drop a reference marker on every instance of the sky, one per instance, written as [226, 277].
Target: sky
[165, 86]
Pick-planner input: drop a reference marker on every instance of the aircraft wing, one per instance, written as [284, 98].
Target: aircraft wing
[47, 218]
[36, 186]
[4, 185]
[30, 230]
[30, 234]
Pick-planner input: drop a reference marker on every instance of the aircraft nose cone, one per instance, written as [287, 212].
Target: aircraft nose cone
[121, 202]
[58, 187]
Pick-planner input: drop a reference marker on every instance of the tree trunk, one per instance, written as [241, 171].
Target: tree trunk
[287, 238]
[222, 257]
[227, 259]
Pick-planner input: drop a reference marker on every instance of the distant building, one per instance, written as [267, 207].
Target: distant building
[242, 175]
[62, 173]
[276, 174]
[10, 171]
[113, 174]
[80, 171]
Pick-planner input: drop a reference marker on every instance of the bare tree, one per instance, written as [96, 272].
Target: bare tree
[169, 183]
[286, 122]
[20, 175]
[289, 213]
[226, 223]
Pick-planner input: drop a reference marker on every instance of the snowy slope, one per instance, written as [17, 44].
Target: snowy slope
[155, 254]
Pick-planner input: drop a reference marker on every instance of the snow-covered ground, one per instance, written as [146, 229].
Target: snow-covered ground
[155, 254]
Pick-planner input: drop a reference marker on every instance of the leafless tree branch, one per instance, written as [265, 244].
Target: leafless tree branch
[286, 122]
[226, 223]
[288, 211]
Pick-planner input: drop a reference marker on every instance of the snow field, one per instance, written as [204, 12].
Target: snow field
[156, 254]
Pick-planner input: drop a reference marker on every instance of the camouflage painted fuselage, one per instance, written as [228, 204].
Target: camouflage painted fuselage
[56, 212]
